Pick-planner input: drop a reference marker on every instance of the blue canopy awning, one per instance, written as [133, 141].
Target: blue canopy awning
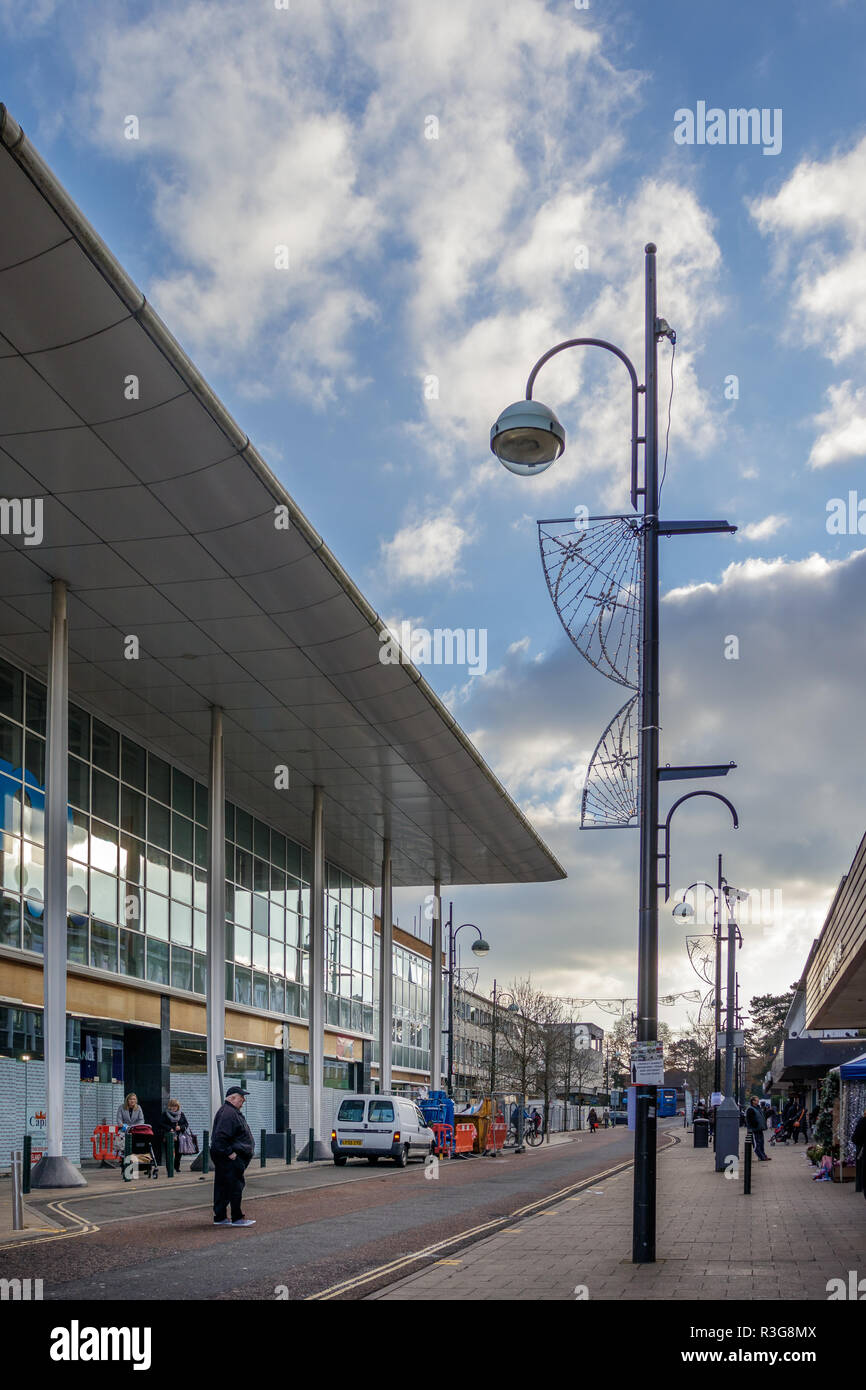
[854, 1070]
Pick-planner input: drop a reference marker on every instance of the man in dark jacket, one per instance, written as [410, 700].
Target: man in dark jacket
[231, 1148]
[755, 1123]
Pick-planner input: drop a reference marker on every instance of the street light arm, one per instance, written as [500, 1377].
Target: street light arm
[635, 390]
[666, 853]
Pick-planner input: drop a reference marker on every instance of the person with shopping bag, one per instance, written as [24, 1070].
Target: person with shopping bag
[175, 1129]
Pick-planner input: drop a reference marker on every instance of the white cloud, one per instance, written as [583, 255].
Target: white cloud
[424, 551]
[762, 530]
[521, 646]
[843, 426]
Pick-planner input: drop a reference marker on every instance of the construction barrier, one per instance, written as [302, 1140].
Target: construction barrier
[444, 1136]
[102, 1141]
[499, 1136]
[464, 1138]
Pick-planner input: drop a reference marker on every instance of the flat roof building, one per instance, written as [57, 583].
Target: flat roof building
[206, 767]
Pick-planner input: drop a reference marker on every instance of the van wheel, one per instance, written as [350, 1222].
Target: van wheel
[403, 1157]
[340, 1159]
[373, 1158]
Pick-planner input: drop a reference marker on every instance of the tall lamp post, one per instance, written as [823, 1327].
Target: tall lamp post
[527, 438]
[685, 909]
[514, 1008]
[480, 947]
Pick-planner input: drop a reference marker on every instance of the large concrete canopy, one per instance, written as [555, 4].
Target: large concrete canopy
[160, 516]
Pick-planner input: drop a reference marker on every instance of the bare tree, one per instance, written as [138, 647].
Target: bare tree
[553, 1031]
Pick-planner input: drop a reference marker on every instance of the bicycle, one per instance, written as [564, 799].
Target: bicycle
[531, 1135]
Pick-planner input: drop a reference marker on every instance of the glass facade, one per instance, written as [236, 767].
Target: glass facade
[410, 1035]
[137, 873]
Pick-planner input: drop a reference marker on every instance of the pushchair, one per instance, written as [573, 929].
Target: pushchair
[782, 1132]
[141, 1161]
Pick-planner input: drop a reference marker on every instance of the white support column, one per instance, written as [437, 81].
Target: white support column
[317, 978]
[386, 975]
[436, 991]
[54, 1170]
[216, 914]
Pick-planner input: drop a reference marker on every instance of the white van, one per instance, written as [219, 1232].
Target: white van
[375, 1127]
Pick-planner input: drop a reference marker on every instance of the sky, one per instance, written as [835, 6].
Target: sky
[365, 221]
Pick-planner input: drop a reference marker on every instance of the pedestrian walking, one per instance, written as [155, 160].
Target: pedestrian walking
[173, 1123]
[593, 1121]
[231, 1148]
[755, 1123]
[800, 1124]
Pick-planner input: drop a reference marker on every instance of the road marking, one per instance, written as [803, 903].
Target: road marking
[449, 1262]
[394, 1266]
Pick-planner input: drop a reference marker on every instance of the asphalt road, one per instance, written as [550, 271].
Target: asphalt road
[337, 1225]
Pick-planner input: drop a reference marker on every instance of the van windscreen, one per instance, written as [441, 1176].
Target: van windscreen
[382, 1110]
[351, 1111]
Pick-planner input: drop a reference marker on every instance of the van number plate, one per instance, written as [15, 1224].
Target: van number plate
[346, 1142]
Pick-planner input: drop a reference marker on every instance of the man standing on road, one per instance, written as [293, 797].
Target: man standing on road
[755, 1123]
[231, 1148]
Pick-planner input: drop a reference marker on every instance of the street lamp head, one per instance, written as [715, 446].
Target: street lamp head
[684, 910]
[735, 895]
[527, 438]
[480, 947]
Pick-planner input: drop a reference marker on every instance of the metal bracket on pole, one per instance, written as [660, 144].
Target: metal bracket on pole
[665, 854]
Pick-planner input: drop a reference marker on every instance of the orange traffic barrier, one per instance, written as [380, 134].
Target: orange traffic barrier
[500, 1133]
[103, 1141]
[444, 1136]
[464, 1138]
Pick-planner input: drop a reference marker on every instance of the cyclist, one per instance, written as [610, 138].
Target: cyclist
[535, 1120]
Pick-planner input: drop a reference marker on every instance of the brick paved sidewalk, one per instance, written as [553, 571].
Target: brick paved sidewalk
[783, 1242]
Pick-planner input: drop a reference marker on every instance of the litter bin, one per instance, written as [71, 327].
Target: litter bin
[702, 1133]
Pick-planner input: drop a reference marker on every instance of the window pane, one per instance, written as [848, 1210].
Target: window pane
[243, 908]
[201, 804]
[158, 825]
[181, 924]
[278, 958]
[181, 836]
[10, 858]
[132, 954]
[260, 914]
[199, 931]
[260, 991]
[105, 794]
[79, 784]
[157, 870]
[278, 849]
[133, 764]
[103, 847]
[199, 978]
[157, 962]
[158, 779]
[243, 829]
[243, 946]
[243, 985]
[261, 840]
[103, 946]
[132, 906]
[10, 804]
[11, 691]
[79, 732]
[33, 871]
[132, 812]
[106, 748]
[181, 968]
[278, 995]
[156, 919]
[37, 706]
[76, 887]
[201, 846]
[34, 760]
[10, 744]
[76, 939]
[260, 952]
[181, 881]
[133, 856]
[103, 895]
[182, 793]
[10, 921]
